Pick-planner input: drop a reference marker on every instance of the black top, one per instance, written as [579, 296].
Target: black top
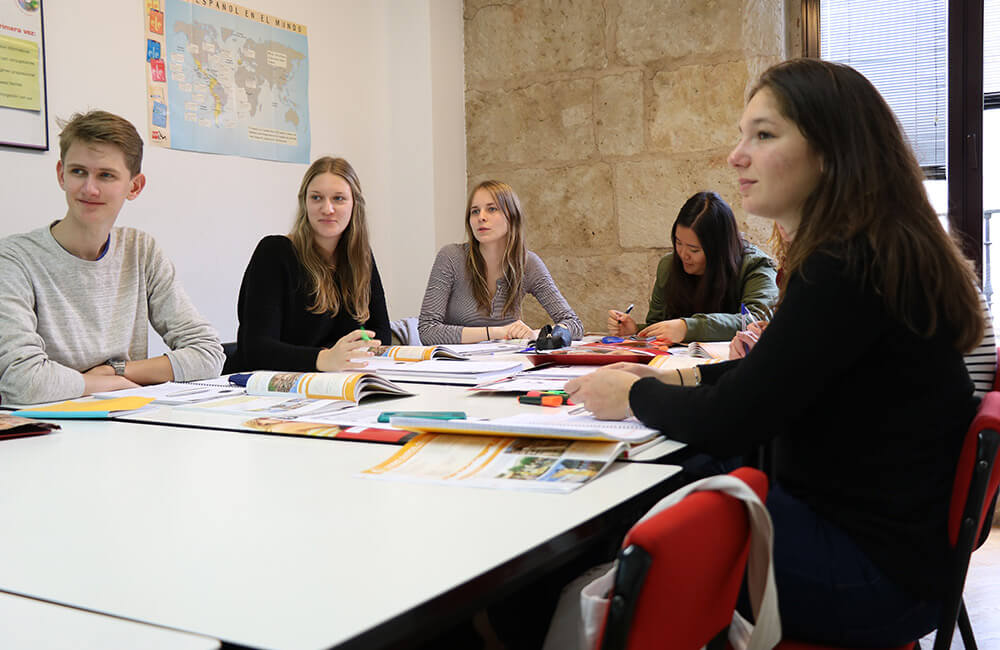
[867, 418]
[277, 331]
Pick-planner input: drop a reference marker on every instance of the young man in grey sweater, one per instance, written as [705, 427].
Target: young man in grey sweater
[78, 295]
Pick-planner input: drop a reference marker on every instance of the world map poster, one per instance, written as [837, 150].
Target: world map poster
[225, 79]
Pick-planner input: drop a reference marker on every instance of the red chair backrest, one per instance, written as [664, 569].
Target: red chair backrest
[988, 418]
[699, 549]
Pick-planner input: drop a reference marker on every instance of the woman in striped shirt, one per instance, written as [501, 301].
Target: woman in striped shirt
[475, 289]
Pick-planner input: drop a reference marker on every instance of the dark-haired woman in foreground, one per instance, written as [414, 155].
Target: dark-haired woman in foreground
[860, 370]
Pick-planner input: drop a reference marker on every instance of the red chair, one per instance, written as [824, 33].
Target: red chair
[972, 495]
[679, 573]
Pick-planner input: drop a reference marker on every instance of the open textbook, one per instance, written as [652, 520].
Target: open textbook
[416, 352]
[498, 462]
[552, 424]
[298, 395]
[348, 386]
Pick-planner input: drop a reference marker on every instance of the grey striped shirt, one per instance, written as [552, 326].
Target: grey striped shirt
[449, 304]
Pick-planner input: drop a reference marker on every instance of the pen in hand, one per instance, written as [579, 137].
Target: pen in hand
[626, 312]
[744, 322]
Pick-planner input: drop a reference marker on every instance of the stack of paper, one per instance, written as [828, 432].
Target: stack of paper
[434, 371]
[540, 378]
[173, 393]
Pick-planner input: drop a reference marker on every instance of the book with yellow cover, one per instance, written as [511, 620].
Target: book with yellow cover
[348, 386]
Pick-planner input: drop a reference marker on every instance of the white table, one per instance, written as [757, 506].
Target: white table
[271, 541]
[28, 624]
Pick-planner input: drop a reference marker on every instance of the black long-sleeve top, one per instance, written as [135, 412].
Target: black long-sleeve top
[867, 417]
[277, 331]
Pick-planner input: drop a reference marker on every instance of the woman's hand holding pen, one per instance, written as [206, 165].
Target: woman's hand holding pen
[349, 352]
[744, 341]
[604, 393]
[620, 323]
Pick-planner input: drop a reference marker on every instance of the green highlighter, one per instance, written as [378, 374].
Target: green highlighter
[430, 415]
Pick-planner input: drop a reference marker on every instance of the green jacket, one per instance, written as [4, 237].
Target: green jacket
[760, 292]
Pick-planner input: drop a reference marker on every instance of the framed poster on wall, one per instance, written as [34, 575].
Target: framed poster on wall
[23, 105]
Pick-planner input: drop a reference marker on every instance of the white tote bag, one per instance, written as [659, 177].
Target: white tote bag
[583, 604]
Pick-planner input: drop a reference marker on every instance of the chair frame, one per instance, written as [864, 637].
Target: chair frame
[969, 537]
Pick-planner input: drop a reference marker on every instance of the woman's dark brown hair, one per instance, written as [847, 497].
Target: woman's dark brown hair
[870, 201]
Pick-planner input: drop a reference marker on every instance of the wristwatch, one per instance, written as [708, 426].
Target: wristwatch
[118, 365]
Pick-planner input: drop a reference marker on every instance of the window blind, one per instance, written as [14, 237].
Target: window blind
[901, 46]
[991, 52]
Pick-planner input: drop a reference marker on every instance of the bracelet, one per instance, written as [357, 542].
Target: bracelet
[487, 332]
[680, 377]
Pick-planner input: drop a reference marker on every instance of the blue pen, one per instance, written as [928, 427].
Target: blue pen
[744, 321]
[627, 310]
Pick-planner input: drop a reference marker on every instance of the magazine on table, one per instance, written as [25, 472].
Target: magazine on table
[498, 462]
[351, 386]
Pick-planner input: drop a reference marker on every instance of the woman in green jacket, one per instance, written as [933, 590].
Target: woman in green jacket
[701, 286]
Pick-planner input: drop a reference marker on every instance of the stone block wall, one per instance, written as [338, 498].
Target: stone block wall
[605, 116]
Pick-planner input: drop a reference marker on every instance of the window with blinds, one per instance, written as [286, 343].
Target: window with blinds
[991, 53]
[901, 47]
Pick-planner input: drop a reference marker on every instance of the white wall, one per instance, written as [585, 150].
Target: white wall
[386, 91]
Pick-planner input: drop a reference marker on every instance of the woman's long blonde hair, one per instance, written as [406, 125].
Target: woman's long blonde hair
[345, 281]
[512, 262]
[870, 204]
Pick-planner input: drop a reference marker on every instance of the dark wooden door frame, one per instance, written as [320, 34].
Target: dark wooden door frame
[965, 125]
